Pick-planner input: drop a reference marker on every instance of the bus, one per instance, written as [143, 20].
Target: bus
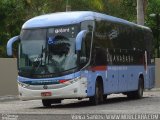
[82, 54]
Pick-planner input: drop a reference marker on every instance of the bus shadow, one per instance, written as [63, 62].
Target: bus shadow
[86, 103]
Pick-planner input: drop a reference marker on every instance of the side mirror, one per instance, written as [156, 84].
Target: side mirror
[79, 39]
[10, 45]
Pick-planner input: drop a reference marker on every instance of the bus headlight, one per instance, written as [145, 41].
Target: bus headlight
[69, 81]
[23, 85]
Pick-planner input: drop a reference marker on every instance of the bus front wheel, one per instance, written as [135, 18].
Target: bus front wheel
[49, 102]
[46, 103]
[98, 97]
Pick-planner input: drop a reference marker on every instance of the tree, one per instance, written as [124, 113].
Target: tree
[154, 8]
[14, 13]
[11, 14]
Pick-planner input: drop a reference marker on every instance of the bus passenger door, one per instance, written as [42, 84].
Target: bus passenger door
[83, 49]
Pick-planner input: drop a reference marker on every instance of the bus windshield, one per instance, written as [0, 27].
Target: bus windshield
[47, 51]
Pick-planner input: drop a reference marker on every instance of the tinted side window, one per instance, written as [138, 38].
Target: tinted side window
[138, 41]
[124, 38]
[103, 34]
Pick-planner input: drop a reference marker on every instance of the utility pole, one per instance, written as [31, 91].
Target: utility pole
[68, 7]
[140, 12]
[157, 35]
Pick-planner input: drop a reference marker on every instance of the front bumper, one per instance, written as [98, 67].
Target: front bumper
[77, 89]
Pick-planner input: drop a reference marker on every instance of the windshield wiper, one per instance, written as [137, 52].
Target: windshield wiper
[39, 58]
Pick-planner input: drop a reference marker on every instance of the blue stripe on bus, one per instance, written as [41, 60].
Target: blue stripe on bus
[47, 81]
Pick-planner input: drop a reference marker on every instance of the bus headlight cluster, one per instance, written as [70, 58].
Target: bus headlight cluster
[72, 81]
[23, 85]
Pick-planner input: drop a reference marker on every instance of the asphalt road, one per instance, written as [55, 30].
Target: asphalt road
[68, 109]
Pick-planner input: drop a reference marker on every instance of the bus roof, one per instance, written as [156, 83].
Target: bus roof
[66, 18]
[59, 18]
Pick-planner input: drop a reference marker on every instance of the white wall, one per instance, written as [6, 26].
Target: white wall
[8, 76]
[157, 72]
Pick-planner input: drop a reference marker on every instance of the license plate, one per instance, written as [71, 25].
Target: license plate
[44, 94]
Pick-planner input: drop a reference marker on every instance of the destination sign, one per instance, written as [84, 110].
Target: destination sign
[67, 31]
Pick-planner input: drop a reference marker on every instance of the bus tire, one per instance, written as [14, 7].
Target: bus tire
[138, 94]
[46, 103]
[104, 98]
[98, 97]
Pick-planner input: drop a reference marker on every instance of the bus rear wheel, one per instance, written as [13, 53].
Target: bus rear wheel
[138, 94]
[98, 97]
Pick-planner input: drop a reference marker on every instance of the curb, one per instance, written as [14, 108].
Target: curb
[153, 90]
[9, 98]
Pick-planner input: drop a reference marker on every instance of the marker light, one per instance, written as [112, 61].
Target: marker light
[62, 81]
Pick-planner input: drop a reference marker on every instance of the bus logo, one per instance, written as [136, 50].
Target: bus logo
[45, 87]
[51, 40]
